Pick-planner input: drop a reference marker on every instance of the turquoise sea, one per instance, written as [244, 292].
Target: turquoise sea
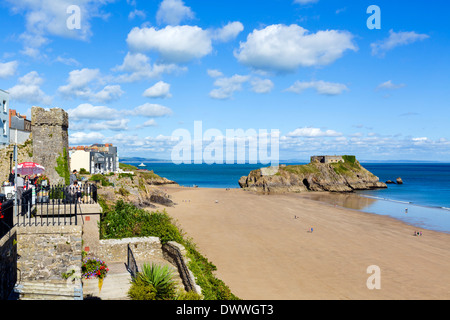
[423, 200]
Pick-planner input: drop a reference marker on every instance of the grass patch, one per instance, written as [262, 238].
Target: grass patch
[127, 167]
[302, 169]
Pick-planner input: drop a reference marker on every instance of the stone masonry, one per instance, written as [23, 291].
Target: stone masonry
[48, 252]
[50, 137]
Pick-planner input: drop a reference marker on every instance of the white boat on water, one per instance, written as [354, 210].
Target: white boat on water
[141, 165]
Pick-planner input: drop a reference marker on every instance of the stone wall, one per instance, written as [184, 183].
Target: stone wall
[8, 263]
[50, 136]
[144, 249]
[24, 154]
[175, 253]
[48, 252]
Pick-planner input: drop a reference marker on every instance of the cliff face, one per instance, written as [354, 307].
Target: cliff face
[344, 176]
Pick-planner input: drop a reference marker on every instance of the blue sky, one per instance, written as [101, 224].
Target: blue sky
[136, 71]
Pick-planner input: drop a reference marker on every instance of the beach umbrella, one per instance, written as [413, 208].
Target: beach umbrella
[29, 168]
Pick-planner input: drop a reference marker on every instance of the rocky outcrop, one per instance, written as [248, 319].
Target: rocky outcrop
[346, 176]
[142, 188]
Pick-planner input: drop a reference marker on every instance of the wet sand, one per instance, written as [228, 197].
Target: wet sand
[264, 250]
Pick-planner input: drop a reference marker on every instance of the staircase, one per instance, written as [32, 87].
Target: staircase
[44, 290]
[115, 285]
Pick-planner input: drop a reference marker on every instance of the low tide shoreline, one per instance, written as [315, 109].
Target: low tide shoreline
[264, 249]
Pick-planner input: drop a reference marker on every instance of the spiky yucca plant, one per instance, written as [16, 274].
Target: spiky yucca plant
[161, 278]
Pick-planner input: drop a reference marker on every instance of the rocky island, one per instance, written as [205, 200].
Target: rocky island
[323, 173]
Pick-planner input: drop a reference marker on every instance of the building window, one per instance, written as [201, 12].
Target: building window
[5, 106]
[4, 127]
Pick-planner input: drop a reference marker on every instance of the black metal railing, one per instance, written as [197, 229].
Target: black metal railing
[131, 263]
[83, 193]
[54, 205]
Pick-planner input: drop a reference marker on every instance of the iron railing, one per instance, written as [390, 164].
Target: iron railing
[131, 263]
[53, 205]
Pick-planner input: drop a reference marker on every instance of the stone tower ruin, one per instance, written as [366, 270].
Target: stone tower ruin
[50, 140]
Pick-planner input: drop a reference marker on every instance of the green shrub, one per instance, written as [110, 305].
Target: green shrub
[188, 296]
[141, 290]
[160, 278]
[126, 175]
[102, 179]
[128, 167]
[83, 171]
[124, 220]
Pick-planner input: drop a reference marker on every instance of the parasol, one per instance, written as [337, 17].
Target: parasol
[29, 168]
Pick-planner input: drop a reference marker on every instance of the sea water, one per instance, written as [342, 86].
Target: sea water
[422, 200]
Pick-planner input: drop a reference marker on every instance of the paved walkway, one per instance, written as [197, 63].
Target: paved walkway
[115, 285]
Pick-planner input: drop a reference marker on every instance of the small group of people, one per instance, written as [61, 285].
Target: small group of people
[75, 188]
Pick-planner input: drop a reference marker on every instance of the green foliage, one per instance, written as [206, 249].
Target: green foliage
[301, 169]
[83, 171]
[62, 167]
[141, 290]
[350, 159]
[124, 220]
[188, 296]
[160, 278]
[126, 175]
[348, 167]
[127, 167]
[102, 179]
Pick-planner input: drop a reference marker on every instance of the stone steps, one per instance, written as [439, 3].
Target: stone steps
[115, 287]
[39, 290]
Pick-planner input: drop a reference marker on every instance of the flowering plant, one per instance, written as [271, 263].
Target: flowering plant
[42, 178]
[94, 268]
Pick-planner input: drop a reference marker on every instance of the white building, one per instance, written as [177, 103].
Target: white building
[95, 159]
[19, 127]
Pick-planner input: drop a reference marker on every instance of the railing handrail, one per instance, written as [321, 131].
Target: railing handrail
[131, 263]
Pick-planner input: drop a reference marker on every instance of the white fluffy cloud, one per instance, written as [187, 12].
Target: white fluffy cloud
[85, 138]
[214, 73]
[137, 66]
[261, 85]
[175, 44]
[44, 18]
[88, 111]
[28, 90]
[228, 32]
[282, 48]
[8, 69]
[227, 86]
[313, 133]
[151, 110]
[322, 87]
[78, 86]
[173, 12]
[160, 89]
[180, 44]
[389, 85]
[394, 40]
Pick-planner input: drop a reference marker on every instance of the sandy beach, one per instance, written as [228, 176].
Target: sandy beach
[264, 249]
